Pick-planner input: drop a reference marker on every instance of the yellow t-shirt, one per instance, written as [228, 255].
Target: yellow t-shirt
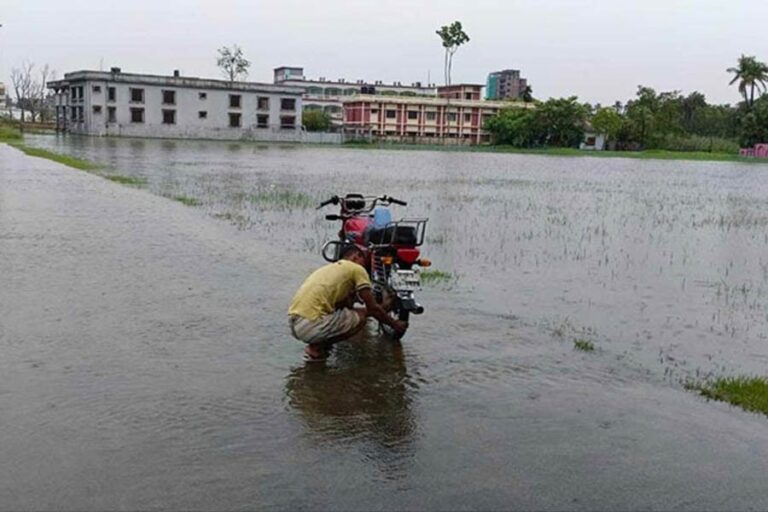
[326, 287]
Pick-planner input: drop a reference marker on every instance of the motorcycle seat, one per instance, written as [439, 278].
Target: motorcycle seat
[397, 235]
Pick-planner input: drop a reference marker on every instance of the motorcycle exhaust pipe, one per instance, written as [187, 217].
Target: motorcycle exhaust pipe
[411, 306]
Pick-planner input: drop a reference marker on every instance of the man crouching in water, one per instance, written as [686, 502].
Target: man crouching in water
[322, 311]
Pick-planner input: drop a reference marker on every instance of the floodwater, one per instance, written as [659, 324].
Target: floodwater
[149, 366]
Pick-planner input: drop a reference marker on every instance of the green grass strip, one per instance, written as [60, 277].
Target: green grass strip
[8, 133]
[77, 163]
[651, 154]
[186, 200]
[435, 276]
[282, 199]
[584, 345]
[749, 393]
[126, 180]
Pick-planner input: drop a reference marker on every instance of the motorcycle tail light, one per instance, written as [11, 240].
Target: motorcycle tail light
[424, 262]
[386, 260]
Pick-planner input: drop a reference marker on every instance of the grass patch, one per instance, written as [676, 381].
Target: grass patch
[282, 199]
[749, 393]
[186, 200]
[583, 345]
[70, 161]
[9, 133]
[435, 276]
[127, 180]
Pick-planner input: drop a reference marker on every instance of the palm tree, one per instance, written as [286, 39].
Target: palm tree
[452, 36]
[751, 74]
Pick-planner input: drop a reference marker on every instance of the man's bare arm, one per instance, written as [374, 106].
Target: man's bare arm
[374, 310]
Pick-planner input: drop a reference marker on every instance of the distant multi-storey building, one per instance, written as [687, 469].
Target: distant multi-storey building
[327, 95]
[505, 84]
[455, 116]
[139, 105]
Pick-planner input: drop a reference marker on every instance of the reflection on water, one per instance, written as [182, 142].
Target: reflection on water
[362, 395]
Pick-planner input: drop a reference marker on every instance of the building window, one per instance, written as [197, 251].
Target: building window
[137, 96]
[234, 102]
[234, 120]
[169, 116]
[97, 109]
[467, 95]
[97, 89]
[287, 122]
[262, 103]
[73, 112]
[467, 118]
[202, 114]
[412, 114]
[288, 104]
[452, 117]
[80, 114]
[169, 97]
[431, 116]
[111, 114]
[202, 95]
[111, 94]
[262, 121]
[137, 115]
[391, 114]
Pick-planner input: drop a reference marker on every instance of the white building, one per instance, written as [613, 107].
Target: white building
[593, 141]
[114, 103]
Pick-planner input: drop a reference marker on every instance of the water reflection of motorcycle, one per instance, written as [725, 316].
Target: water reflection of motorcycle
[365, 396]
[391, 248]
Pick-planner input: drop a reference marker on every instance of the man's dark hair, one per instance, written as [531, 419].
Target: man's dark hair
[349, 249]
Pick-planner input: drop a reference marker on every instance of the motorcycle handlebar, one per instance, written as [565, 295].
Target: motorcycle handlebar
[388, 199]
[333, 200]
[397, 201]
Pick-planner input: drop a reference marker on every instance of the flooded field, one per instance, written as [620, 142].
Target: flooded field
[493, 401]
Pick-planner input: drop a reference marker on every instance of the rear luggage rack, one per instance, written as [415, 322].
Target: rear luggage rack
[408, 232]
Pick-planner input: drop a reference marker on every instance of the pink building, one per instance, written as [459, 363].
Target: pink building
[759, 151]
[455, 116]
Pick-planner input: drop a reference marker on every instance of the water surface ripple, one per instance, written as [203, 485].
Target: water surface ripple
[147, 364]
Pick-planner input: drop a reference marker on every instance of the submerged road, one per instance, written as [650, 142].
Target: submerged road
[145, 364]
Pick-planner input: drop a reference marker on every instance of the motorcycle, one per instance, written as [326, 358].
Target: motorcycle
[391, 248]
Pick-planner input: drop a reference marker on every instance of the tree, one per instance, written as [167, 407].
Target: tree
[754, 123]
[452, 36]
[232, 63]
[315, 120]
[41, 94]
[608, 122]
[527, 94]
[751, 74]
[692, 106]
[512, 126]
[23, 84]
[560, 122]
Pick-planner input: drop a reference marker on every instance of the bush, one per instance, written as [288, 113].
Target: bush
[316, 120]
[698, 143]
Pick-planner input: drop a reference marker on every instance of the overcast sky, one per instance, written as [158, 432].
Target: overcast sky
[599, 51]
